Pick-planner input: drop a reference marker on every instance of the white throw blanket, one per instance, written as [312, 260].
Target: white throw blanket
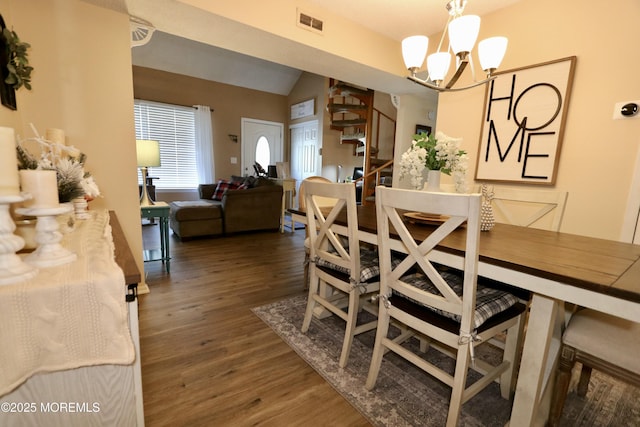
[67, 316]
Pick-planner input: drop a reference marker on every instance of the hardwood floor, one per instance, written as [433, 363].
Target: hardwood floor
[207, 360]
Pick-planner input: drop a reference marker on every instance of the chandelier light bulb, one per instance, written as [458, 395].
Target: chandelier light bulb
[491, 52]
[438, 65]
[414, 50]
[463, 32]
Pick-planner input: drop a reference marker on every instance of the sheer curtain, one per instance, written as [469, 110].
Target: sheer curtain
[204, 145]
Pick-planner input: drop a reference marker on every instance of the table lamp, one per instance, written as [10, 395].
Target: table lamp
[148, 153]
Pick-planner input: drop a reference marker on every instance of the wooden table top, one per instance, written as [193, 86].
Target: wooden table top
[603, 266]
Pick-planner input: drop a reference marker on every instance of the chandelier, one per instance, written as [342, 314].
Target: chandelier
[463, 32]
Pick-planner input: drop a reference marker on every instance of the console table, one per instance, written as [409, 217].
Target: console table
[71, 356]
[159, 210]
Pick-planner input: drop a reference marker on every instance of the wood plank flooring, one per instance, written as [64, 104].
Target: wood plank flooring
[207, 360]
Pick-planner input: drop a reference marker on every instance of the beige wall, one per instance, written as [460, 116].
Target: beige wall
[598, 153]
[602, 38]
[82, 84]
[228, 103]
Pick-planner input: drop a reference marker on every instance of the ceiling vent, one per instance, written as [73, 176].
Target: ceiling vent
[310, 23]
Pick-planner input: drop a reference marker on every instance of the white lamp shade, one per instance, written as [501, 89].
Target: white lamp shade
[463, 32]
[491, 52]
[414, 49]
[148, 152]
[438, 65]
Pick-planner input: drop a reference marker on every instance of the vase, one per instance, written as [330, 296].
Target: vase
[433, 181]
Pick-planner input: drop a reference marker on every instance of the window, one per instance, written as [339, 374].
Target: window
[263, 154]
[174, 127]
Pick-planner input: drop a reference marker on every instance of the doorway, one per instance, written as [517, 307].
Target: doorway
[306, 158]
[262, 142]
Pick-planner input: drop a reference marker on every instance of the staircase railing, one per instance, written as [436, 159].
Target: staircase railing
[366, 178]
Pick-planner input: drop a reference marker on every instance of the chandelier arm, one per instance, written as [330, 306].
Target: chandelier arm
[458, 73]
[445, 89]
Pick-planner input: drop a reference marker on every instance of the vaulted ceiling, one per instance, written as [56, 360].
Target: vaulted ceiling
[170, 52]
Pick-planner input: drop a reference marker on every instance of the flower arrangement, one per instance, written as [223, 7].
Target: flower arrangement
[68, 162]
[439, 152]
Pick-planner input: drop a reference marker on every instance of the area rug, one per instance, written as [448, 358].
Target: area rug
[406, 396]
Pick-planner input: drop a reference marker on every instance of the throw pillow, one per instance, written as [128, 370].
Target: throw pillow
[223, 185]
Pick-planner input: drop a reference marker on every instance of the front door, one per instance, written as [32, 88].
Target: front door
[261, 143]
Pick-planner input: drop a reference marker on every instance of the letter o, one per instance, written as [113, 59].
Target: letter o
[555, 114]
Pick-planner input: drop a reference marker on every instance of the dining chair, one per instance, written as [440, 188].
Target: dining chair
[301, 205]
[598, 341]
[342, 274]
[449, 307]
[301, 192]
[529, 208]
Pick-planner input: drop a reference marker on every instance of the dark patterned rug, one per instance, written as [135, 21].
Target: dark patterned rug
[406, 396]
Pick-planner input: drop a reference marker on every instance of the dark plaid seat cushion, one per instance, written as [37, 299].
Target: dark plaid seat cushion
[369, 265]
[489, 301]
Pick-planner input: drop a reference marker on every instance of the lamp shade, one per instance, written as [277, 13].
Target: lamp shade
[438, 65]
[463, 32]
[491, 52]
[148, 152]
[414, 49]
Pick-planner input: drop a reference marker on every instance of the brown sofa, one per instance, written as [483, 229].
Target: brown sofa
[257, 207]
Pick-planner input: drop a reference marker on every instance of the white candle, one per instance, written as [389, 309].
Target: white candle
[56, 135]
[43, 187]
[9, 181]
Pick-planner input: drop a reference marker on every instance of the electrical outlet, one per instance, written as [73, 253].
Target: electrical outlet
[234, 160]
[617, 110]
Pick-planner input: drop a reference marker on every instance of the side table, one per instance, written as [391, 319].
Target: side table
[160, 210]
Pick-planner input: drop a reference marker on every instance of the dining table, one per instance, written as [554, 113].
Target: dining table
[556, 268]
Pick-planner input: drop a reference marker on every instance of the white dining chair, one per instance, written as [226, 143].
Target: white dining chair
[321, 201]
[529, 207]
[448, 306]
[342, 274]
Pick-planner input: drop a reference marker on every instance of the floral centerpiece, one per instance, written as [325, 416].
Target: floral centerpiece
[68, 162]
[439, 152]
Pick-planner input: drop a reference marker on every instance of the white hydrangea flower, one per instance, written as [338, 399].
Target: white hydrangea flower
[440, 153]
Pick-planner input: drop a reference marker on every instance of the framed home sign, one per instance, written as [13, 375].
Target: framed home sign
[523, 123]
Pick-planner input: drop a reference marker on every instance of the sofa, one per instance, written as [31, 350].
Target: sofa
[229, 206]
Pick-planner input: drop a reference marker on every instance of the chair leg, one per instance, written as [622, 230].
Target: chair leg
[583, 384]
[459, 385]
[563, 376]
[352, 320]
[512, 350]
[378, 348]
[314, 283]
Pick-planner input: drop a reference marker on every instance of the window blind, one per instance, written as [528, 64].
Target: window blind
[173, 127]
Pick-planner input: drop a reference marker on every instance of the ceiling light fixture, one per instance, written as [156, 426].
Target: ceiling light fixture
[463, 32]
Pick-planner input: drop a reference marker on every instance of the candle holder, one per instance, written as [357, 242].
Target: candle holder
[80, 205]
[12, 268]
[49, 252]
